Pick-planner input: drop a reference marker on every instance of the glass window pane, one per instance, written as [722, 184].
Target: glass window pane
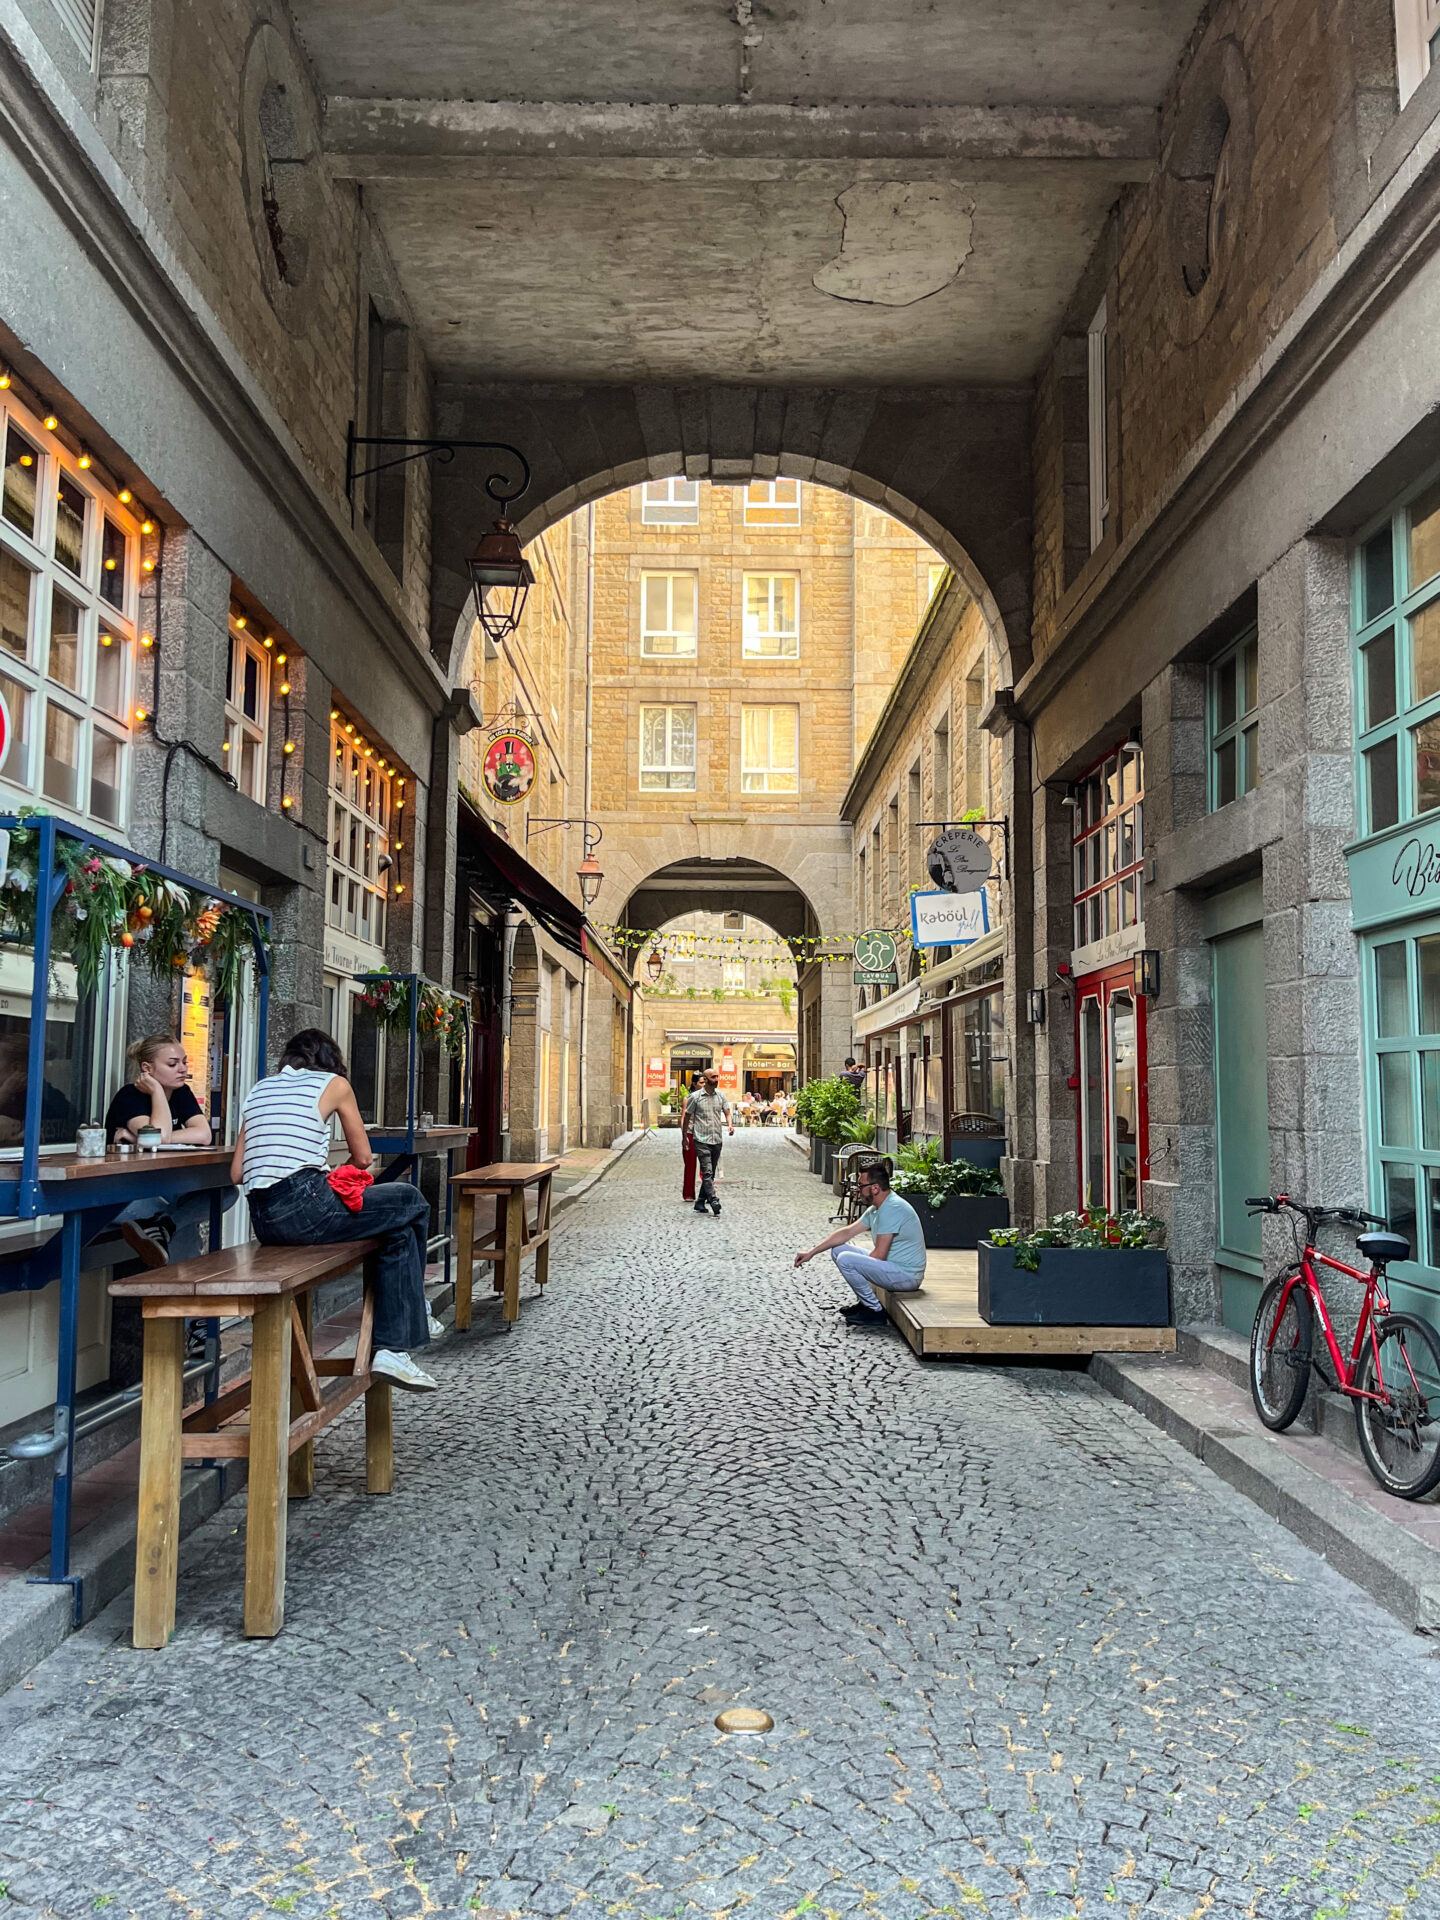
[1250, 663]
[1427, 954]
[62, 756]
[1092, 1108]
[114, 553]
[1425, 652]
[1425, 537]
[16, 764]
[1124, 1100]
[110, 663]
[1225, 773]
[1125, 853]
[1400, 1201]
[64, 662]
[1382, 782]
[15, 582]
[251, 781]
[106, 760]
[1379, 571]
[1112, 783]
[1397, 1117]
[1225, 694]
[70, 508]
[1430, 1100]
[1427, 764]
[250, 695]
[1392, 998]
[1432, 1181]
[1379, 664]
[22, 471]
[1250, 759]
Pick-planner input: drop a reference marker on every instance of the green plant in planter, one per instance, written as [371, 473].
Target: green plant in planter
[823, 1106]
[1091, 1227]
[859, 1132]
[923, 1172]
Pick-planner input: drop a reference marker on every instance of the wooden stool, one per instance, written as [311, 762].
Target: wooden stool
[271, 1285]
[514, 1235]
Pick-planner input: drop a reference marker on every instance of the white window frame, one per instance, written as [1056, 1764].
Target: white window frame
[659, 776]
[670, 503]
[82, 17]
[653, 640]
[773, 503]
[765, 640]
[100, 625]
[1417, 27]
[239, 727]
[769, 778]
[732, 975]
[357, 892]
[1096, 345]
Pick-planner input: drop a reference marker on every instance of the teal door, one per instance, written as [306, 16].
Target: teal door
[1242, 1132]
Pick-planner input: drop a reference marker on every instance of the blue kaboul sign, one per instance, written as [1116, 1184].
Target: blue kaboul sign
[948, 919]
[1395, 875]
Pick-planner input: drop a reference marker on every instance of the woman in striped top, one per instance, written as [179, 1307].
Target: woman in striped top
[282, 1160]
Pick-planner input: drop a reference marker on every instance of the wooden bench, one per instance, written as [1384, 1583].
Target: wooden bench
[514, 1235]
[287, 1405]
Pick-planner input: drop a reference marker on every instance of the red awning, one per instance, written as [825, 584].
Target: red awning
[489, 860]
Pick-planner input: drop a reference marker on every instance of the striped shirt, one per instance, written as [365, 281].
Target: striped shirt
[283, 1129]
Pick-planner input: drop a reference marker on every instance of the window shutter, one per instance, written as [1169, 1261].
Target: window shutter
[80, 16]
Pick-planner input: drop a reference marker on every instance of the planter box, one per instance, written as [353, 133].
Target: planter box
[827, 1171]
[964, 1220]
[980, 1153]
[668, 1120]
[817, 1154]
[1076, 1287]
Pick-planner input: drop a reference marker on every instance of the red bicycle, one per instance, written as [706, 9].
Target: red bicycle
[1393, 1373]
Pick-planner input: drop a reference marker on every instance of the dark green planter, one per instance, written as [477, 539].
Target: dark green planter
[1076, 1287]
[964, 1220]
[817, 1154]
[827, 1170]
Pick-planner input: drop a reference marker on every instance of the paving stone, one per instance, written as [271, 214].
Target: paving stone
[985, 1601]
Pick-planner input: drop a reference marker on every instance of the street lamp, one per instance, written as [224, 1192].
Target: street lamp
[590, 876]
[501, 577]
[655, 965]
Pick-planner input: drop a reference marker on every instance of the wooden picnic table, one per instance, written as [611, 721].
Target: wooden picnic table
[514, 1234]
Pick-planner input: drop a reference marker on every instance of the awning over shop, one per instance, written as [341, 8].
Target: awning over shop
[495, 869]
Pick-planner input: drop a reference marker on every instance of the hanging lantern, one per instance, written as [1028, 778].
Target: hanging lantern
[501, 577]
[590, 875]
[655, 965]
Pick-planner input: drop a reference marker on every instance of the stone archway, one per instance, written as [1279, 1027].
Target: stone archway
[951, 463]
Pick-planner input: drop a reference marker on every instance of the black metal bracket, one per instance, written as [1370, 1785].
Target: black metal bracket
[542, 823]
[501, 487]
[1004, 826]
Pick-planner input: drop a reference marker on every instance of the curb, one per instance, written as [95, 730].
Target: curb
[1391, 1566]
[618, 1150]
[35, 1620]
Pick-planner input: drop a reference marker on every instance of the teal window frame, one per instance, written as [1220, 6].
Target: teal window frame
[1241, 732]
[1397, 752]
[1402, 1067]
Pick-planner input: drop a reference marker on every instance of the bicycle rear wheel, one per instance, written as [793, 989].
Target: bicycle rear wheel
[1399, 1426]
[1280, 1366]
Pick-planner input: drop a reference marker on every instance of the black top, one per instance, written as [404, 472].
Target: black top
[131, 1105]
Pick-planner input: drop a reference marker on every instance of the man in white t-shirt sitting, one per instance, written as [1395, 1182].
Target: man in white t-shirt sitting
[897, 1259]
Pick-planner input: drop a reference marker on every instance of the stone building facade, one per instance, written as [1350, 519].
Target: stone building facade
[1220, 753]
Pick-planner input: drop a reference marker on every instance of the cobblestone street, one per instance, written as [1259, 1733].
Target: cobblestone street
[1023, 1655]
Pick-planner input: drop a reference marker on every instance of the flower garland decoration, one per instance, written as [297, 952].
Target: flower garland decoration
[387, 999]
[443, 1017]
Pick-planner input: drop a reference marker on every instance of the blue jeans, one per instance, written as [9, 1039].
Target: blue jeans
[189, 1213]
[305, 1211]
[862, 1273]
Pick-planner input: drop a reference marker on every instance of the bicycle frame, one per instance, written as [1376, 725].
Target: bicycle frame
[1375, 1302]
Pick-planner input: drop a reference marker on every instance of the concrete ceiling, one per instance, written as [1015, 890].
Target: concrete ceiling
[856, 192]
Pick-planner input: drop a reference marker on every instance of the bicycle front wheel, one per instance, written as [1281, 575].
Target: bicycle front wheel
[1399, 1418]
[1280, 1347]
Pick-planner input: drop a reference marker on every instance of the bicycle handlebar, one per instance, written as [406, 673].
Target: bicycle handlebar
[1349, 1216]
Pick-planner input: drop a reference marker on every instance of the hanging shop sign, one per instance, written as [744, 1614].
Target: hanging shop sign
[948, 919]
[508, 768]
[876, 963]
[959, 860]
[655, 1071]
[729, 1070]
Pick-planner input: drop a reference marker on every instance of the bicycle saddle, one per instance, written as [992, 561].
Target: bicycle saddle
[1381, 1247]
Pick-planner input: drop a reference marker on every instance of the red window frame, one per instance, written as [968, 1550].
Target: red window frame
[1102, 988]
[1108, 846]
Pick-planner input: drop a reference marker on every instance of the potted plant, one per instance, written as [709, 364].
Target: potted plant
[959, 1204]
[832, 1102]
[1092, 1268]
[859, 1132]
[671, 1104]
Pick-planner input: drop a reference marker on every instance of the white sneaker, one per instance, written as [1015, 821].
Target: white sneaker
[401, 1371]
[437, 1330]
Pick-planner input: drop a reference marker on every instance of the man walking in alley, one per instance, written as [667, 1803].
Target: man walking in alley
[896, 1260]
[707, 1114]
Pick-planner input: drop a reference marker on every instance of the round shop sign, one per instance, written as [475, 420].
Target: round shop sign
[959, 860]
[875, 951]
[508, 769]
[4, 729]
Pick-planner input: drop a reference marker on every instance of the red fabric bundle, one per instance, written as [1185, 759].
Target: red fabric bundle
[692, 1160]
[350, 1184]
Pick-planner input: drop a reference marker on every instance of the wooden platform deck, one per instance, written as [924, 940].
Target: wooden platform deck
[944, 1318]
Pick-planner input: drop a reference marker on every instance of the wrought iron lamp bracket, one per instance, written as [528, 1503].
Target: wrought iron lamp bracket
[501, 487]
